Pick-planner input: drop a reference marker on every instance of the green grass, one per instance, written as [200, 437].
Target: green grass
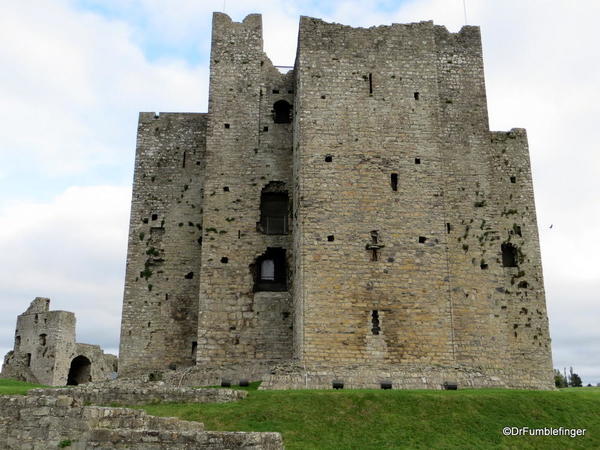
[11, 387]
[375, 419]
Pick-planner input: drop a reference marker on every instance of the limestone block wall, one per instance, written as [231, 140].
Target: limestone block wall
[34, 421]
[160, 305]
[372, 246]
[247, 152]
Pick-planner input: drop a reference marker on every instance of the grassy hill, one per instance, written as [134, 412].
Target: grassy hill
[375, 419]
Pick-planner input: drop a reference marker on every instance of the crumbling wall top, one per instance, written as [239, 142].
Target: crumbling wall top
[38, 305]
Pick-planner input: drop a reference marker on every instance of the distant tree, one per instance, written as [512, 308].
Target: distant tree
[589, 385]
[575, 380]
[559, 379]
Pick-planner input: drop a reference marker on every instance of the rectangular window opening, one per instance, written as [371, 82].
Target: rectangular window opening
[371, 84]
[394, 181]
[375, 328]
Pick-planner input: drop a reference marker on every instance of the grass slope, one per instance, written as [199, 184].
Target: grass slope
[374, 419]
[11, 387]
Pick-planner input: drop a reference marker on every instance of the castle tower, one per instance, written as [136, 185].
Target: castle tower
[354, 212]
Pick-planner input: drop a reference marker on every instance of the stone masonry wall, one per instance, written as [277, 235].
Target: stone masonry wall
[41, 422]
[160, 306]
[246, 151]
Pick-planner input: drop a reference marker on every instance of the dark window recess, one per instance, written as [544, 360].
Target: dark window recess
[386, 385]
[417, 96]
[42, 339]
[375, 328]
[194, 349]
[274, 212]
[184, 156]
[448, 227]
[270, 271]
[517, 230]
[17, 341]
[275, 91]
[394, 181]
[510, 255]
[225, 383]
[225, 188]
[227, 125]
[328, 158]
[513, 179]
[483, 265]
[154, 216]
[265, 129]
[330, 238]
[282, 112]
[224, 259]
[422, 239]
[417, 160]
[337, 384]
[190, 275]
[374, 246]
[371, 84]
[28, 359]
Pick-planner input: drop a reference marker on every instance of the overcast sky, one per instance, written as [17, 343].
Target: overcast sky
[75, 74]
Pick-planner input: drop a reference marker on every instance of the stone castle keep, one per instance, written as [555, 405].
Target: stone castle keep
[353, 219]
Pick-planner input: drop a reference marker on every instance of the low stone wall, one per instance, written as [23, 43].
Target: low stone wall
[37, 422]
[116, 394]
[414, 377]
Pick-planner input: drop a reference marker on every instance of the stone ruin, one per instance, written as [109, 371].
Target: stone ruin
[353, 218]
[45, 350]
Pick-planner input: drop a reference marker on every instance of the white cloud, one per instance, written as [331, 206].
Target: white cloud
[71, 249]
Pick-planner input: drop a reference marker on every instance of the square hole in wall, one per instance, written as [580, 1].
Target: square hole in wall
[417, 160]
[328, 158]
[330, 238]
[227, 125]
[225, 188]
[513, 179]
[422, 239]
[266, 129]
[417, 95]
[154, 216]
[275, 91]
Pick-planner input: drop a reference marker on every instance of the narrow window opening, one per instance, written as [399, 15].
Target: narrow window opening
[394, 181]
[42, 339]
[225, 188]
[28, 359]
[282, 112]
[371, 84]
[513, 179]
[328, 158]
[265, 129]
[323, 97]
[35, 319]
[375, 328]
[517, 230]
[274, 209]
[227, 125]
[154, 216]
[275, 91]
[194, 349]
[184, 156]
[17, 342]
[270, 271]
[483, 265]
[330, 238]
[189, 275]
[422, 239]
[509, 255]
[417, 160]
[224, 259]
[417, 96]
[374, 245]
[448, 227]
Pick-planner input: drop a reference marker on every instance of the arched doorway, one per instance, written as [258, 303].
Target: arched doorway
[80, 371]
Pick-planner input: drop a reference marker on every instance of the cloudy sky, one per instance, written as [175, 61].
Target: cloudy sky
[75, 73]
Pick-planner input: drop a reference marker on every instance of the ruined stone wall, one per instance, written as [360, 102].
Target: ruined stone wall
[367, 106]
[160, 304]
[45, 348]
[246, 152]
[36, 422]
